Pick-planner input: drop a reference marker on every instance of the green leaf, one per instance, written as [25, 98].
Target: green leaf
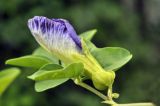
[111, 58]
[88, 35]
[52, 75]
[48, 84]
[43, 53]
[7, 76]
[50, 67]
[47, 73]
[29, 61]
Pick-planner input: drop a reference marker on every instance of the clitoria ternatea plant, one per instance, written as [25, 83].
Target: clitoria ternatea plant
[64, 56]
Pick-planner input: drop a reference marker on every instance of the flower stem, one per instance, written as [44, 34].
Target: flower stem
[0, 100]
[110, 92]
[91, 89]
[108, 100]
[135, 104]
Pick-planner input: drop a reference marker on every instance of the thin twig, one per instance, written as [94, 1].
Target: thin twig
[136, 104]
[91, 89]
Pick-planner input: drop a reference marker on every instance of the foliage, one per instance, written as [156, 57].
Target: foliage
[51, 75]
[7, 76]
[116, 58]
[117, 26]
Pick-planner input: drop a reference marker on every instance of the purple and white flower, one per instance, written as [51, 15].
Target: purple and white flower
[55, 35]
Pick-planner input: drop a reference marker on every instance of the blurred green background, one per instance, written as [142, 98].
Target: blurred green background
[132, 24]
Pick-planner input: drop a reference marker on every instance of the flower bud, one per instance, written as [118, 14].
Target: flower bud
[57, 36]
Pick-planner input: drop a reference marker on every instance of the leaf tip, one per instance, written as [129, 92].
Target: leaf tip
[7, 62]
[37, 90]
[31, 77]
[95, 30]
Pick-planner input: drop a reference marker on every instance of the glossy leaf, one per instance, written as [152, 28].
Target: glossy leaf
[57, 76]
[111, 58]
[7, 76]
[48, 72]
[29, 61]
[88, 35]
[48, 84]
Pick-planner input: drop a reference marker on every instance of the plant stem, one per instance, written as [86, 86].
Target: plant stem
[110, 93]
[0, 100]
[91, 89]
[108, 100]
[135, 104]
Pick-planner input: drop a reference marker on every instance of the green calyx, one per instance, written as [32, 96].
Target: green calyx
[103, 79]
[94, 71]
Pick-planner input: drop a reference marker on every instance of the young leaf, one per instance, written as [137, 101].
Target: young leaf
[71, 71]
[7, 76]
[111, 58]
[88, 35]
[29, 61]
[48, 84]
[43, 53]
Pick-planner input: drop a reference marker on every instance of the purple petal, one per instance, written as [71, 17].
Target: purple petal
[55, 34]
[69, 28]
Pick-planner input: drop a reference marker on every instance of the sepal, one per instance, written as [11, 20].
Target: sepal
[103, 79]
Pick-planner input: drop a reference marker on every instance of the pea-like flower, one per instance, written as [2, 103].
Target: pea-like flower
[56, 36]
[59, 38]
